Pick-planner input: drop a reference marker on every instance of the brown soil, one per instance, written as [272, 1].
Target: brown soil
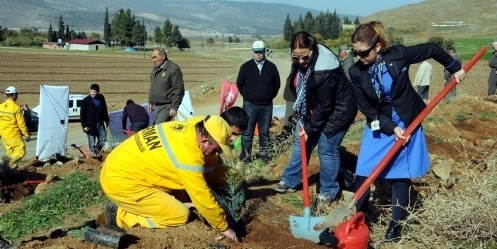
[451, 128]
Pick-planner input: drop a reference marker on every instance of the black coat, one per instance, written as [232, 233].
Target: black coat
[329, 95]
[406, 101]
[256, 87]
[88, 114]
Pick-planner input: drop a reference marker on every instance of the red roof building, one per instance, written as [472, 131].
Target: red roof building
[85, 44]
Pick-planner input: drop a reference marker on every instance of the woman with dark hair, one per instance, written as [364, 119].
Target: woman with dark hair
[385, 95]
[325, 108]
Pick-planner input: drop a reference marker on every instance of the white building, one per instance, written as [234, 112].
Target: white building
[85, 44]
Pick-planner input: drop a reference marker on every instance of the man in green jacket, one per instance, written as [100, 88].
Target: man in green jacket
[166, 87]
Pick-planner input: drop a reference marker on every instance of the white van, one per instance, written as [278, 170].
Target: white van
[75, 101]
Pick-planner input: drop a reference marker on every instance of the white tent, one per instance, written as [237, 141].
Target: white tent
[115, 125]
[53, 119]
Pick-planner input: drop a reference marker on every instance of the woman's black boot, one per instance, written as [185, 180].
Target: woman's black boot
[393, 231]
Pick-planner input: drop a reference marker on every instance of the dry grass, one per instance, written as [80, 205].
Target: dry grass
[461, 217]
[457, 212]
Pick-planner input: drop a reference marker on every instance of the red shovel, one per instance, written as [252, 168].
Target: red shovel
[301, 226]
[341, 212]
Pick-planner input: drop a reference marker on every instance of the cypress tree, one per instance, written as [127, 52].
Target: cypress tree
[60, 33]
[158, 36]
[287, 29]
[106, 27]
[167, 31]
[49, 33]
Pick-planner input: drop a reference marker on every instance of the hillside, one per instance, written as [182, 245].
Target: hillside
[192, 16]
[414, 22]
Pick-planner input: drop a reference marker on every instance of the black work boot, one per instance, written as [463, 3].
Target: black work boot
[110, 212]
[393, 231]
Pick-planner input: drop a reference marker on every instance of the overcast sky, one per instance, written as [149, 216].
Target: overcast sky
[351, 7]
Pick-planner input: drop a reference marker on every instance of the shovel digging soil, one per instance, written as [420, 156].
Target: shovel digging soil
[342, 212]
[302, 225]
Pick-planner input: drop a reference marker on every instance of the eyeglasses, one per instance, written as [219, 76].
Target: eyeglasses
[301, 57]
[364, 53]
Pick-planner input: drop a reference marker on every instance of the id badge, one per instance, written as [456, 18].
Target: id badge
[375, 125]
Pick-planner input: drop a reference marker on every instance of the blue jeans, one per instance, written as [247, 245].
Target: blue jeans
[329, 162]
[96, 143]
[138, 126]
[262, 115]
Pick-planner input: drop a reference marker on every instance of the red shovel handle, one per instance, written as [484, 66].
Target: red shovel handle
[34, 182]
[129, 132]
[381, 166]
[305, 174]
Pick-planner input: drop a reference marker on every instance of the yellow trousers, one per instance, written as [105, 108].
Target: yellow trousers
[15, 149]
[145, 206]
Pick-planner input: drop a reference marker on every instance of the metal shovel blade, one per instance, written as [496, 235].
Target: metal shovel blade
[302, 226]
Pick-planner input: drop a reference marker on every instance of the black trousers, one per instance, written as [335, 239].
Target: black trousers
[399, 198]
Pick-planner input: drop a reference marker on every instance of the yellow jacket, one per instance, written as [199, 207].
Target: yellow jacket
[167, 157]
[215, 170]
[12, 123]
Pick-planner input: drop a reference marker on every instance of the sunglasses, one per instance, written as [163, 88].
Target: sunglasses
[364, 53]
[301, 57]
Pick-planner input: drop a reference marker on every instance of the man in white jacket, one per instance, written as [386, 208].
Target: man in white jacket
[423, 78]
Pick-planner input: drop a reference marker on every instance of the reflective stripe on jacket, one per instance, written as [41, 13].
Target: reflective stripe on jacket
[166, 157]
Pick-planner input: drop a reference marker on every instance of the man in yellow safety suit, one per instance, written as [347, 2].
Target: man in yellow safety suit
[13, 126]
[141, 174]
[216, 170]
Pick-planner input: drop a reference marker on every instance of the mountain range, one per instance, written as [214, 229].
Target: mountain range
[252, 18]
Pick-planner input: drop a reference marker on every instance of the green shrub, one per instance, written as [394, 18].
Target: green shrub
[460, 117]
[235, 197]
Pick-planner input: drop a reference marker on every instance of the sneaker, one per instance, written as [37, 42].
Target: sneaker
[282, 187]
[326, 199]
